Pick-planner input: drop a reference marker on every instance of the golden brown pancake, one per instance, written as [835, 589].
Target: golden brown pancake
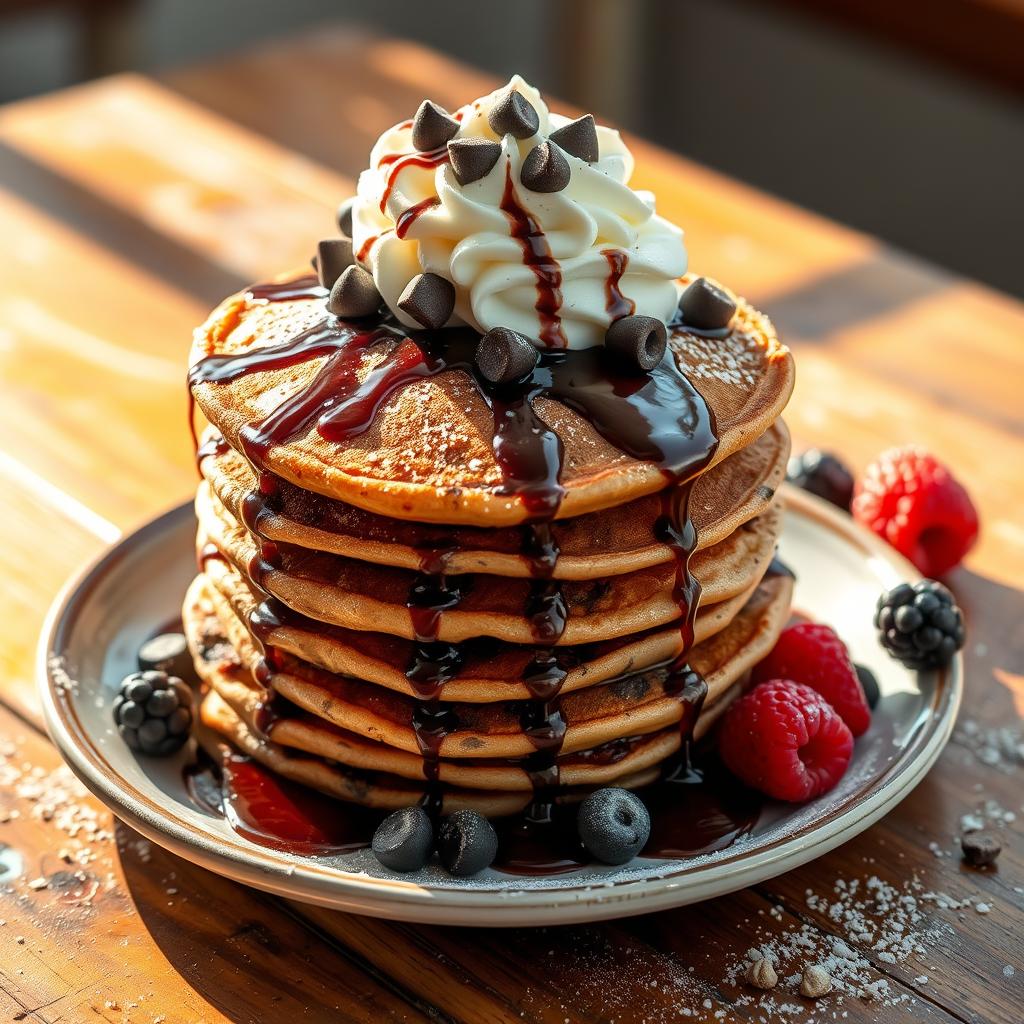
[427, 453]
[613, 541]
[377, 790]
[724, 661]
[360, 596]
[631, 706]
[492, 670]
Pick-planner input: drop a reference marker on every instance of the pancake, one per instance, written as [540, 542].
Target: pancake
[425, 451]
[613, 541]
[357, 595]
[491, 670]
[375, 790]
[724, 661]
[633, 705]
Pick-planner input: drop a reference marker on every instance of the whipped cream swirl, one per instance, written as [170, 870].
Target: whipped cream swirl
[558, 267]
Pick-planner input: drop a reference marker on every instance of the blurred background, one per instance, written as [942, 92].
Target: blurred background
[902, 118]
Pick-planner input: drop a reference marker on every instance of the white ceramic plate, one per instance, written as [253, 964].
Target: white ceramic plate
[98, 622]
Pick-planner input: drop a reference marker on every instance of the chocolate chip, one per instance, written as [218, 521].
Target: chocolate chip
[432, 127]
[429, 299]
[514, 115]
[980, 848]
[345, 216]
[578, 138]
[333, 255]
[637, 341]
[471, 159]
[545, 169]
[504, 355]
[167, 652]
[354, 294]
[706, 306]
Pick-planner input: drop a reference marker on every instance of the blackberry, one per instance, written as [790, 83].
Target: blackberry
[823, 474]
[153, 712]
[920, 625]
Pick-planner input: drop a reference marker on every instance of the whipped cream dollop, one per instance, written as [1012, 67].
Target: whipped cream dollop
[558, 267]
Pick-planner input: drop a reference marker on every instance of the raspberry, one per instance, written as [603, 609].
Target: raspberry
[911, 500]
[812, 654]
[785, 740]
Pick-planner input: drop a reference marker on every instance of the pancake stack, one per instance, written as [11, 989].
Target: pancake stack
[416, 585]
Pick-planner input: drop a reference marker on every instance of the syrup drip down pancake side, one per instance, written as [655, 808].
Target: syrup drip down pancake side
[612, 731]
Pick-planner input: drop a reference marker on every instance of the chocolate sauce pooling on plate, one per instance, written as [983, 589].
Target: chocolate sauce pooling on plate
[657, 417]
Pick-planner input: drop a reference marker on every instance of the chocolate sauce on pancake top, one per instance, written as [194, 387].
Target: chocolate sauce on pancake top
[658, 417]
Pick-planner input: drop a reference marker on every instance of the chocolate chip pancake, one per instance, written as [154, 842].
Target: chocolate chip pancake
[320, 718]
[489, 670]
[377, 790]
[357, 595]
[416, 435]
[615, 540]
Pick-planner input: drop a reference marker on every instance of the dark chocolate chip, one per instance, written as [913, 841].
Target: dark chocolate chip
[578, 138]
[466, 843]
[637, 341]
[345, 216]
[472, 158]
[706, 306]
[869, 684]
[613, 825]
[545, 169]
[429, 299]
[333, 255]
[404, 840]
[514, 115]
[980, 848]
[432, 127]
[354, 294]
[504, 355]
[169, 653]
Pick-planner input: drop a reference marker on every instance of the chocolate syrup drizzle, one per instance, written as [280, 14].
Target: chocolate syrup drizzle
[616, 304]
[537, 256]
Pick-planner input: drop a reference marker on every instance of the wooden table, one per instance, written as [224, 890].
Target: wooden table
[127, 208]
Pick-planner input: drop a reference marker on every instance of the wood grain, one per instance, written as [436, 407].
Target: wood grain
[132, 207]
[101, 924]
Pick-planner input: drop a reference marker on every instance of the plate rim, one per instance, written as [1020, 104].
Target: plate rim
[403, 900]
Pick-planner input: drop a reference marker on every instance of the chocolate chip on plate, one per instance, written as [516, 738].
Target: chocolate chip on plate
[514, 115]
[638, 342]
[333, 255]
[169, 653]
[706, 306]
[354, 294]
[404, 840]
[980, 848]
[545, 169]
[466, 843]
[472, 159]
[432, 127]
[429, 299]
[345, 216]
[613, 825]
[869, 684]
[578, 138]
[504, 355]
